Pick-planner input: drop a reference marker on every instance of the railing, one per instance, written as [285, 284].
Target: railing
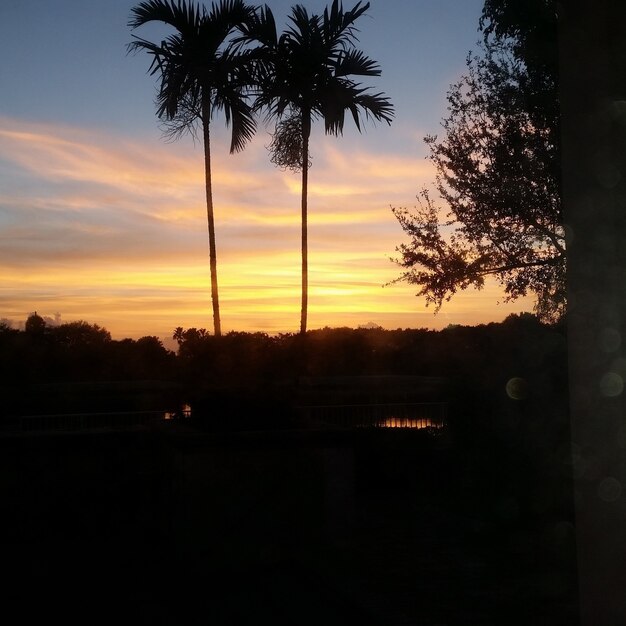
[418, 415]
[87, 421]
[402, 415]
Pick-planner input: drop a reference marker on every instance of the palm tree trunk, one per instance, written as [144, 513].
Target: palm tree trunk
[306, 131]
[206, 105]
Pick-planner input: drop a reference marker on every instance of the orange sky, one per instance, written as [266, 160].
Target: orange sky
[113, 231]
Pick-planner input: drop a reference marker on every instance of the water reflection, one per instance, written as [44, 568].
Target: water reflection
[416, 416]
[404, 422]
[360, 416]
[184, 412]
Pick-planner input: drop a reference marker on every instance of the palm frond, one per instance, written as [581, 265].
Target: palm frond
[239, 114]
[138, 44]
[182, 15]
[230, 12]
[177, 86]
[303, 27]
[357, 63]
[221, 21]
[338, 26]
[376, 106]
[344, 96]
[258, 28]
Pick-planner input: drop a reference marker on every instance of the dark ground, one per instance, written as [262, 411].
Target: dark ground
[169, 527]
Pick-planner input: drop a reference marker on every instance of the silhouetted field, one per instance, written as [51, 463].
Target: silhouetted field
[245, 513]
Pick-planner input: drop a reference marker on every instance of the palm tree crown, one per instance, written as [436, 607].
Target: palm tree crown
[200, 74]
[195, 63]
[308, 68]
[306, 74]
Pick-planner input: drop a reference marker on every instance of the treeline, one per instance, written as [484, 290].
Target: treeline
[506, 387]
[486, 355]
[78, 367]
[495, 372]
[478, 361]
[78, 352]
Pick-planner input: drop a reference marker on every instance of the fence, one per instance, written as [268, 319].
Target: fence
[415, 415]
[86, 421]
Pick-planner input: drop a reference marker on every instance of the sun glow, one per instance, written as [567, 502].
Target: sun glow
[114, 232]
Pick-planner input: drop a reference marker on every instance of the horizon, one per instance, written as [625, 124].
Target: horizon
[170, 343]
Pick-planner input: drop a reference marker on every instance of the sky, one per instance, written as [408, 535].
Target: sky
[103, 220]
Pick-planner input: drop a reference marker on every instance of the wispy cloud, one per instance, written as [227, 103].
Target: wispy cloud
[113, 230]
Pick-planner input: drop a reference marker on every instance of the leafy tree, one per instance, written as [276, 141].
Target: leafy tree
[144, 359]
[200, 75]
[189, 336]
[81, 333]
[35, 324]
[305, 74]
[531, 25]
[497, 171]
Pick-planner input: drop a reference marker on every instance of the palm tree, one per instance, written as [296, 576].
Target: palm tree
[200, 74]
[304, 75]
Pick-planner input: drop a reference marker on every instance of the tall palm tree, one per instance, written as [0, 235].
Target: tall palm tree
[200, 74]
[304, 75]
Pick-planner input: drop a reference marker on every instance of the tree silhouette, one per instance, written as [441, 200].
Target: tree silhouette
[498, 173]
[531, 26]
[35, 324]
[200, 74]
[303, 75]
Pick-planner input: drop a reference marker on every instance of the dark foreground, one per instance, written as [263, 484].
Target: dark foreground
[167, 526]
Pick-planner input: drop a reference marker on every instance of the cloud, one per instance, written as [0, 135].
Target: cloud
[113, 230]
[61, 153]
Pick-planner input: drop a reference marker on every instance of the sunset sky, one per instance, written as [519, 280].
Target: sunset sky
[103, 220]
